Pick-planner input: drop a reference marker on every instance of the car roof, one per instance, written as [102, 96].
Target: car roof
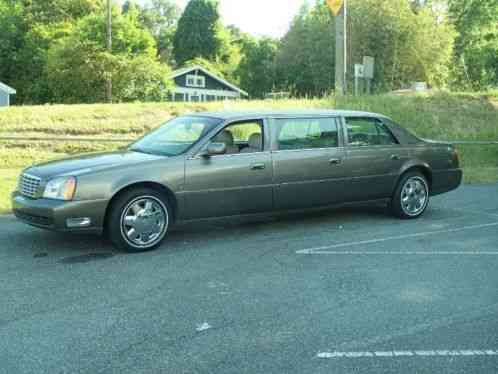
[234, 115]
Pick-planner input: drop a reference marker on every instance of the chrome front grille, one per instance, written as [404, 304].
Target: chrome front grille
[29, 185]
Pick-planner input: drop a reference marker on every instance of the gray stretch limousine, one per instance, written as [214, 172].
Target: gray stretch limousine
[224, 164]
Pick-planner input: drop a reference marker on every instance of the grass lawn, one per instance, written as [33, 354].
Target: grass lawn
[8, 180]
[480, 175]
[439, 116]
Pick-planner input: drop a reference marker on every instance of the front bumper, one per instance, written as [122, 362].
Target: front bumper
[53, 214]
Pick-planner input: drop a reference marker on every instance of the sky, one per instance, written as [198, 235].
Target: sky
[257, 17]
[260, 17]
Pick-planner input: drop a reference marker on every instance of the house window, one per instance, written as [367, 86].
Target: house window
[196, 81]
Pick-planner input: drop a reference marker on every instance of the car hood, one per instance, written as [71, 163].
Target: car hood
[89, 163]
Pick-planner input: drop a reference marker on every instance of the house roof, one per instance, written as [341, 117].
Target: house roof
[188, 69]
[7, 89]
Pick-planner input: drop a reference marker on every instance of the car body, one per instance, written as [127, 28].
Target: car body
[227, 164]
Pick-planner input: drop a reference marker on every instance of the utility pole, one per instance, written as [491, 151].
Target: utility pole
[109, 49]
[341, 51]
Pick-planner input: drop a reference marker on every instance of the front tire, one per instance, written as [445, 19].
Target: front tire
[411, 196]
[138, 220]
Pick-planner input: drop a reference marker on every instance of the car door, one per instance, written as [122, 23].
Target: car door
[308, 162]
[373, 158]
[238, 182]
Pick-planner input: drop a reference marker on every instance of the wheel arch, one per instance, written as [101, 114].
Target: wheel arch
[421, 167]
[168, 193]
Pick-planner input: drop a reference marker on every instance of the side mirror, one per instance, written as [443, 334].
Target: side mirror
[214, 149]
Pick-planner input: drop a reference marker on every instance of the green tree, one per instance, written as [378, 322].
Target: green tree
[228, 40]
[160, 18]
[32, 77]
[199, 32]
[306, 59]
[408, 46]
[12, 29]
[476, 49]
[27, 29]
[79, 64]
[257, 70]
[159, 15]
[54, 11]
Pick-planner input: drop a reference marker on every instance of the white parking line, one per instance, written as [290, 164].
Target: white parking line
[326, 249]
[408, 253]
[395, 354]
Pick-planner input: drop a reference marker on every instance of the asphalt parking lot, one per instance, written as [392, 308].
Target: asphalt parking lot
[345, 291]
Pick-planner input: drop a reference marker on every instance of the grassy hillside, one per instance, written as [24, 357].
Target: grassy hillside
[438, 116]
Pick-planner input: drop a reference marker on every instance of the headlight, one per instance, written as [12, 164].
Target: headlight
[62, 188]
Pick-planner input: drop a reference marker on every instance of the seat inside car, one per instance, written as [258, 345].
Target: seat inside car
[227, 137]
[255, 144]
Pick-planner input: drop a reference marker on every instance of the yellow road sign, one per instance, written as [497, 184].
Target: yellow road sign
[335, 6]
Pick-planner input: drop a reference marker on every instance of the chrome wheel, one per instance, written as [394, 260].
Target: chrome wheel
[144, 222]
[414, 196]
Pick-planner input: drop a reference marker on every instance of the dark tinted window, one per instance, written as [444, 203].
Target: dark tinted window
[367, 132]
[402, 134]
[307, 133]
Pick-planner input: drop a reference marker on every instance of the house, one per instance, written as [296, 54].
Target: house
[5, 92]
[195, 83]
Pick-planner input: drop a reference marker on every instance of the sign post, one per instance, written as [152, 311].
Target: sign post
[368, 64]
[359, 72]
[339, 10]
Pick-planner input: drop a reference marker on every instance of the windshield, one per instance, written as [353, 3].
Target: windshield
[176, 136]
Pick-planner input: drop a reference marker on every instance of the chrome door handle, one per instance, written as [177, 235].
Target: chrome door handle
[335, 161]
[258, 166]
[395, 157]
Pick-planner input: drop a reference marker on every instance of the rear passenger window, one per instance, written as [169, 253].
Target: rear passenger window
[307, 133]
[368, 131]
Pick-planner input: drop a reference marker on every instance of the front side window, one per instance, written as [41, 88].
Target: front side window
[307, 133]
[176, 136]
[241, 137]
[364, 132]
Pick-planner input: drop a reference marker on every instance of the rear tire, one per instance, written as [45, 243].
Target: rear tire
[411, 196]
[138, 220]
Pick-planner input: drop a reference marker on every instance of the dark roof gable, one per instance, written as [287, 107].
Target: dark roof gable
[7, 89]
[212, 80]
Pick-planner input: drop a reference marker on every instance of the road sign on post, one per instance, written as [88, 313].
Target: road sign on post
[359, 72]
[335, 6]
[339, 10]
[368, 66]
